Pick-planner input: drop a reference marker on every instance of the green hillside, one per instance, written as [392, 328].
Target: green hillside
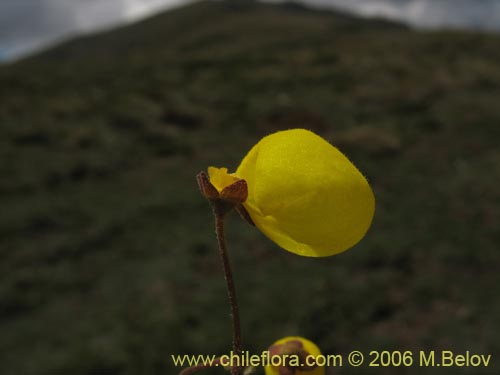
[108, 254]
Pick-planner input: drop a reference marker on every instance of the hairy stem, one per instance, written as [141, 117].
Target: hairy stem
[219, 213]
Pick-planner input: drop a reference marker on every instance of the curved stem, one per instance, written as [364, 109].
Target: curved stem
[219, 213]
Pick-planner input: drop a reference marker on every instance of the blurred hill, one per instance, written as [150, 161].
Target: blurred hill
[108, 253]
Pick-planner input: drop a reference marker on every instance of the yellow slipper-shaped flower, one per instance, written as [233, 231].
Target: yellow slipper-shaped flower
[299, 353]
[303, 193]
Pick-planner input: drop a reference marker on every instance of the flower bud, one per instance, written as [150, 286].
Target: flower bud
[297, 357]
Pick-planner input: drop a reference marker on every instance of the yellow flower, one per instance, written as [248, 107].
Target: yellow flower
[303, 193]
[300, 347]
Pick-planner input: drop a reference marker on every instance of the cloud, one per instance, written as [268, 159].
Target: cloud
[26, 25]
[476, 14]
[135, 9]
[29, 25]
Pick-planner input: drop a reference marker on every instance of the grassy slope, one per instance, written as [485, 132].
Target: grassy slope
[108, 254]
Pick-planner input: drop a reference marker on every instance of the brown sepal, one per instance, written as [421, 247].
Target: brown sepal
[292, 347]
[302, 354]
[207, 189]
[237, 192]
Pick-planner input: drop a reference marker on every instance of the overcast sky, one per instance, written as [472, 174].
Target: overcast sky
[28, 25]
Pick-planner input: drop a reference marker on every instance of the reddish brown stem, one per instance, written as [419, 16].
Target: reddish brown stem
[219, 213]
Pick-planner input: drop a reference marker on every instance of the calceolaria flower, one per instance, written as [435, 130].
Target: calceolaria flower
[294, 355]
[301, 192]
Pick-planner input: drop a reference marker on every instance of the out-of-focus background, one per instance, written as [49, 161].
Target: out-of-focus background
[108, 255]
